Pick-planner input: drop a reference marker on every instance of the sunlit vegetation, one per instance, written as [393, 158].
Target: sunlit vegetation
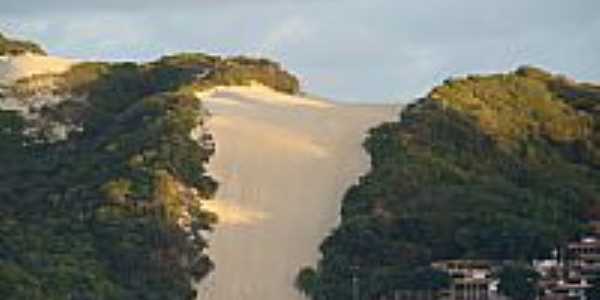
[17, 47]
[499, 167]
[113, 212]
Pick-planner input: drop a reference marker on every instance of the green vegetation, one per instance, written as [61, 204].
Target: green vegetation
[239, 71]
[16, 47]
[594, 291]
[518, 282]
[307, 281]
[500, 167]
[111, 212]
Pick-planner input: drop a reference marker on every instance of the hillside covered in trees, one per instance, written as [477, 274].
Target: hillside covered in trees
[102, 172]
[10, 46]
[499, 167]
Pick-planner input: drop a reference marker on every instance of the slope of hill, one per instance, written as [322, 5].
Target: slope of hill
[494, 167]
[283, 163]
[13, 47]
[26, 65]
[103, 170]
[107, 168]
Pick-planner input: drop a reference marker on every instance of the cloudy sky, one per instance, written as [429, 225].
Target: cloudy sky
[348, 50]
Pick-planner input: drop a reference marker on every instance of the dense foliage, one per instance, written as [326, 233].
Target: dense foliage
[112, 212]
[594, 291]
[488, 167]
[518, 282]
[235, 71]
[17, 47]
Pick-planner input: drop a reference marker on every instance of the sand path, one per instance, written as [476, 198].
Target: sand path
[284, 164]
[16, 67]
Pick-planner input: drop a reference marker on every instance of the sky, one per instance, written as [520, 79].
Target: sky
[347, 50]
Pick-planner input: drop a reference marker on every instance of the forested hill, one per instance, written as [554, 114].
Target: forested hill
[16, 47]
[494, 167]
[102, 169]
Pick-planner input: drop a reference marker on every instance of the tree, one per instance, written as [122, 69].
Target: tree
[307, 281]
[594, 291]
[518, 282]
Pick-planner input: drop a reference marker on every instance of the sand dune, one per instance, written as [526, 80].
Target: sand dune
[283, 163]
[15, 67]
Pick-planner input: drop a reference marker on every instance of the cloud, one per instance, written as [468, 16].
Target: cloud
[95, 6]
[107, 6]
[291, 32]
[344, 49]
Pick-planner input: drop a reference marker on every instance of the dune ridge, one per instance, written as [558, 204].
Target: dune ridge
[13, 68]
[283, 163]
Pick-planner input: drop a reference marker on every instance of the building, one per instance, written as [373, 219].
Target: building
[567, 277]
[411, 295]
[471, 279]
[573, 288]
[584, 257]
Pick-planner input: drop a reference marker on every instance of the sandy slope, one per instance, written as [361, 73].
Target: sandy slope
[15, 67]
[283, 163]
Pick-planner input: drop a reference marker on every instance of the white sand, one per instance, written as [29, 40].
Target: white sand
[284, 164]
[16, 67]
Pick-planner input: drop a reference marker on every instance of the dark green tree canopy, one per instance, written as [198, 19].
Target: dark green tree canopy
[498, 167]
[97, 215]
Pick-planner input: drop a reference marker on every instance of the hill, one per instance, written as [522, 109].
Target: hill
[283, 162]
[12, 47]
[13, 68]
[500, 167]
[103, 176]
